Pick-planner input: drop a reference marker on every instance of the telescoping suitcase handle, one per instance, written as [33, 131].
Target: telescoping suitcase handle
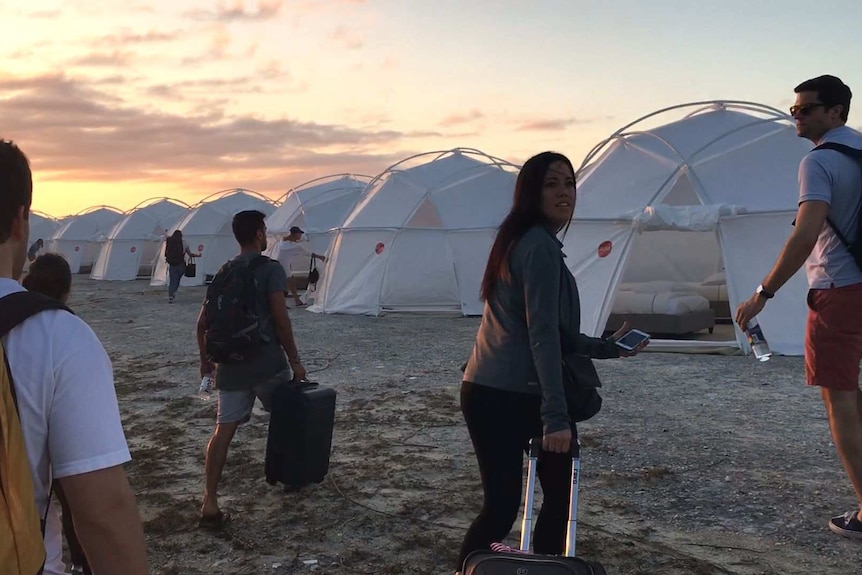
[527, 524]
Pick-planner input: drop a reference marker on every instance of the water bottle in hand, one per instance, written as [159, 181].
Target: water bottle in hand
[757, 341]
[206, 388]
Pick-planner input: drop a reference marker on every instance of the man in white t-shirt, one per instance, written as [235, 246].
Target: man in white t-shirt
[293, 256]
[67, 406]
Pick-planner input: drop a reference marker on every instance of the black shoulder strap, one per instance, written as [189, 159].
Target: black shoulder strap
[14, 309]
[856, 154]
[19, 306]
[846, 150]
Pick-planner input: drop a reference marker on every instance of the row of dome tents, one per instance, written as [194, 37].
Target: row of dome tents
[692, 197]
[669, 218]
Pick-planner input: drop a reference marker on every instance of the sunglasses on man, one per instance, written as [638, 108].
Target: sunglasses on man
[804, 109]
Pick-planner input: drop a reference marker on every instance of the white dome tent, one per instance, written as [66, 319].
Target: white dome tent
[207, 230]
[317, 207]
[419, 238]
[679, 223]
[80, 237]
[131, 247]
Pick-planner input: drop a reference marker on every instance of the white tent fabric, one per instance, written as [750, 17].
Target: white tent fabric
[419, 238]
[317, 207]
[80, 238]
[714, 192]
[207, 230]
[132, 245]
[42, 226]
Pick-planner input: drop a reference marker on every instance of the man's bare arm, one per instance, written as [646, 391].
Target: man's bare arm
[809, 223]
[107, 521]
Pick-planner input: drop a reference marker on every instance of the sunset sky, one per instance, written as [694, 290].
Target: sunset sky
[119, 101]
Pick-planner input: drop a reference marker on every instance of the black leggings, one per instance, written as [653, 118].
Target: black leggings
[501, 424]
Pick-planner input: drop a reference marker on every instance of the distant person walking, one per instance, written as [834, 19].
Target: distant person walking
[830, 183]
[176, 250]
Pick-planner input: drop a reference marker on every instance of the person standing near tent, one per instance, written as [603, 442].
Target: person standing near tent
[293, 254]
[513, 388]
[176, 250]
[829, 199]
[35, 249]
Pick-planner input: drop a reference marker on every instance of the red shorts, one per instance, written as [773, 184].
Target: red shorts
[833, 337]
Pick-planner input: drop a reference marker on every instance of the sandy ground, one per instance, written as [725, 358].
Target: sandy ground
[696, 465]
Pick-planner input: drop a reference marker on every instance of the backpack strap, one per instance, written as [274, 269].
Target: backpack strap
[14, 309]
[22, 305]
[856, 155]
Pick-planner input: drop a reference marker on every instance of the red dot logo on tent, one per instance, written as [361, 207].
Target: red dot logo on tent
[605, 249]
[200, 248]
[133, 249]
[379, 248]
[77, 248]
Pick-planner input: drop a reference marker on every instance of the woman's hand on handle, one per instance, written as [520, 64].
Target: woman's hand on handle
[558, 441]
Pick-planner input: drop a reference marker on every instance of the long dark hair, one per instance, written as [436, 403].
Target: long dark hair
[526, 212]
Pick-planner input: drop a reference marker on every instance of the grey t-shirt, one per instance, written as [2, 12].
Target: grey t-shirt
[271, 358]
[830, 176]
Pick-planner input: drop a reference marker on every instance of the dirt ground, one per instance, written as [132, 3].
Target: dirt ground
[696, 465]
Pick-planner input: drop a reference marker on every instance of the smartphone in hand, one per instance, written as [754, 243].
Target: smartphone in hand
[632, 339]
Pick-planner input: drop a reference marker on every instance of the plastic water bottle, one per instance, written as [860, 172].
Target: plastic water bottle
[206, 388]
[757, 341]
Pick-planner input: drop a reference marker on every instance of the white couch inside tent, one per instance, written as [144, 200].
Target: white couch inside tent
[689, 216]
[317, 207]
[131, 247]
[80, 237]
[419, 238]
[207, 230]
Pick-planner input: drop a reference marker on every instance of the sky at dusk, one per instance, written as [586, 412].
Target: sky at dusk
[116, 102]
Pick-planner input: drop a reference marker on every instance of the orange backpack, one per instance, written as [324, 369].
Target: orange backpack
[22, 548]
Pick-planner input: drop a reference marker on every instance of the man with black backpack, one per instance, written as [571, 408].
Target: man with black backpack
[827, 237]
[243, 329]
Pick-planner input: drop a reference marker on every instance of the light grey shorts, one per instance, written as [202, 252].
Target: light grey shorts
[235, 405]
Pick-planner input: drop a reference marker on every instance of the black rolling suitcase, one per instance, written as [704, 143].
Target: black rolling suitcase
[499, 563]
[300, 434]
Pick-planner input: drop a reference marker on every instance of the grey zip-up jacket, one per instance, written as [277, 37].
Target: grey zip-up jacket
[534, 319]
